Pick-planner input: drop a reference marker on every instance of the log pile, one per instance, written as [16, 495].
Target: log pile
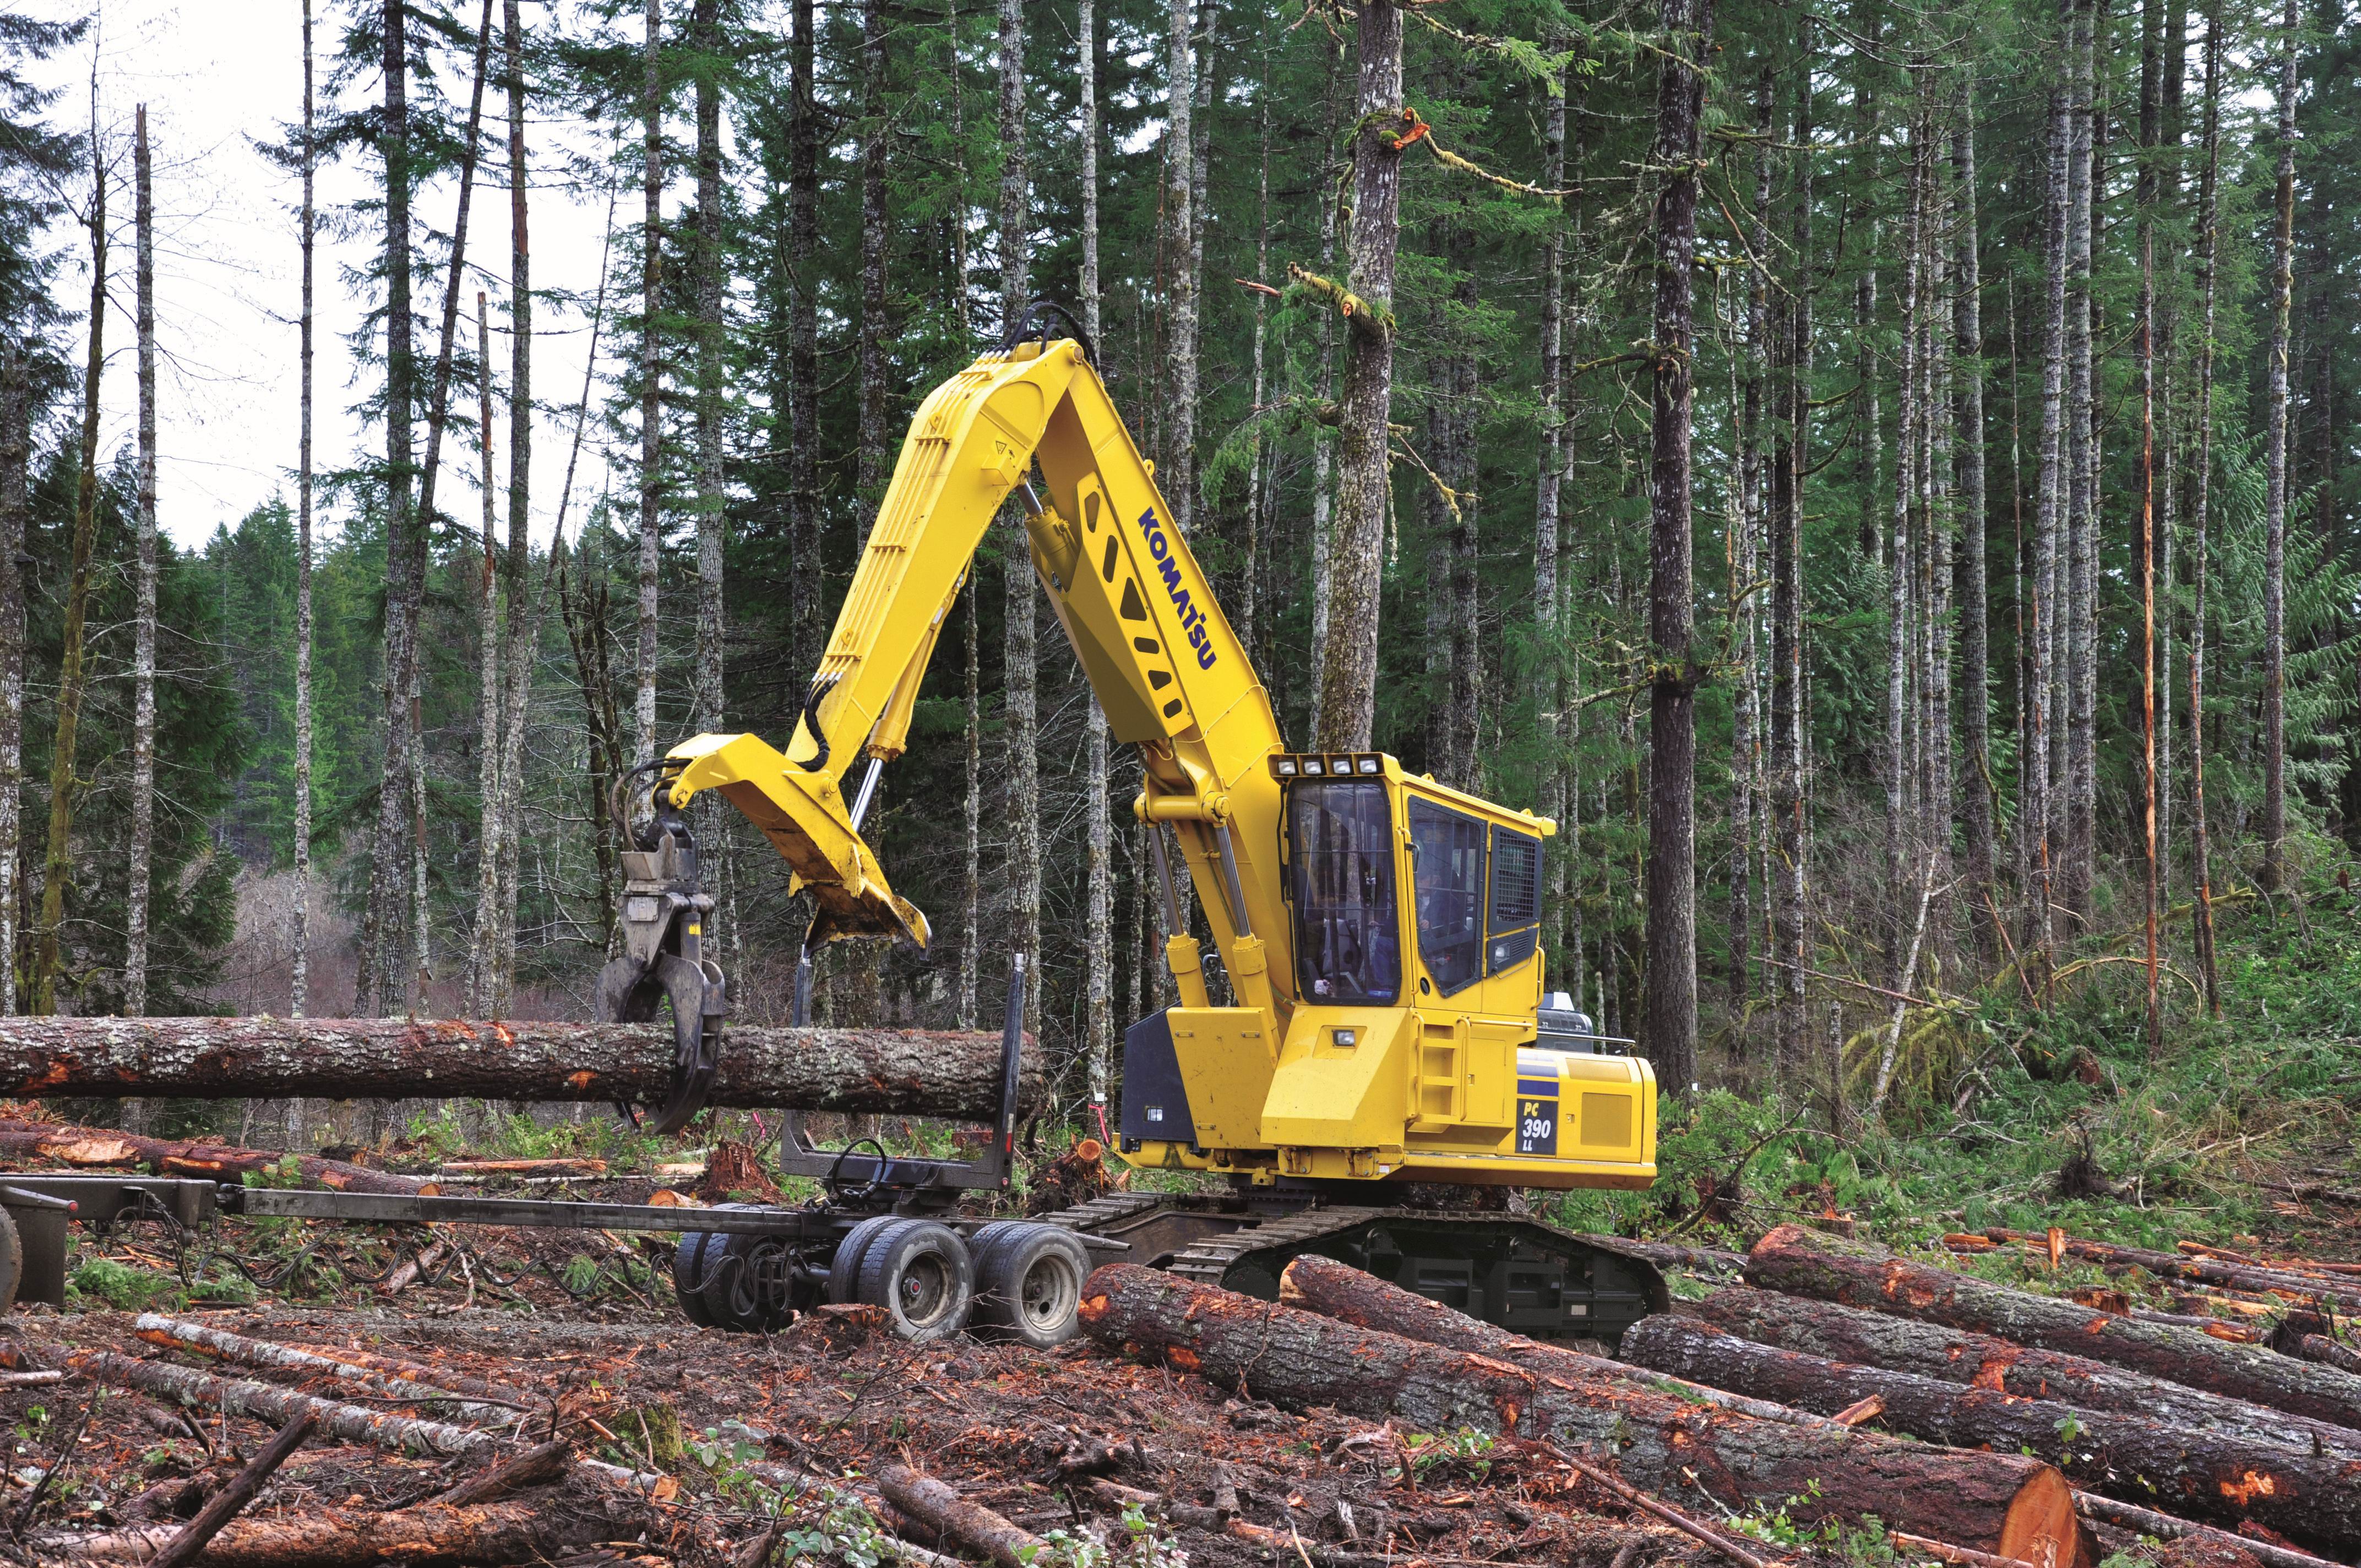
[910, 1072]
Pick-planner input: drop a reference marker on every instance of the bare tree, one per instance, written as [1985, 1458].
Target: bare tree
[803, 351]
[15, 462]
[143, 655]
[1790, 379]
[2036, 830]
[523, 607]
[643, 704]
[2209, 217]
[705, 38]
[2275, 505]
[1671, 1003]
[1098, 1013]
[300, 980]
[1348, 673]
[488, 706]
[1023, 767]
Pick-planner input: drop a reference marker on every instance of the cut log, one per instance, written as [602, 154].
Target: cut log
[59, 1143]
[357, 1538]
[2166, 1527]
[1339, 1290]
[2329, 1353]
[1981, 1361]
[940, 1508]
[2314, 1499]
[910, 1072]
[1671, 1254]
[2007, 1504]
[536, 1466]
[2284, 1284]
[1855, 1274]
[173, 1334]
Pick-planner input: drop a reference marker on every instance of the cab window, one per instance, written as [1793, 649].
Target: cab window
[1516, 900]
[1447, 854]
[1341, 880]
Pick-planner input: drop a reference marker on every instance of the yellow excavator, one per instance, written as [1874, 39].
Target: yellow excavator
[1385, 1032]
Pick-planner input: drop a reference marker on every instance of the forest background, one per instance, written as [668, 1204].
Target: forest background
[1874, 476]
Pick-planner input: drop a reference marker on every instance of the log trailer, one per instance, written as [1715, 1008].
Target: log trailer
[1381, 1033]
[1384, 1027]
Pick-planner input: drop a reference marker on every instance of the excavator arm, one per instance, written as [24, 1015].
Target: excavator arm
[1169, 673]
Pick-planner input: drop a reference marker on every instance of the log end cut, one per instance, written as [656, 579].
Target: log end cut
[2042, 1527]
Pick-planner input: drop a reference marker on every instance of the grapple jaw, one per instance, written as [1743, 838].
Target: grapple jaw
[808, 819]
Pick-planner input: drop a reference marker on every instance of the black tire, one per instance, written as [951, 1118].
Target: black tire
[735, 1291]
[921, 1273]
[689, 1277]
[844, 1269]
[1029, 1284]
[12, 1260]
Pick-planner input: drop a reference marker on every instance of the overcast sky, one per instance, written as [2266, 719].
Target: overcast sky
[217, 75]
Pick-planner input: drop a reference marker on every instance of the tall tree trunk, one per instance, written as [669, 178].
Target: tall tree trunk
[876, 454]
[805, 632]
[1098, 1014]
[1790, 462]
[1258, 467]
[300, 978]
[1023, 766]
[705, 41]
[1974, 592]
[15, 463]
[2038, 831]
[644, 702]
[1670, 1002]
[1323, 494]
[143, 653]
[1746, 559]
[2275, 505]
[971, 815]
[2151, 110]
[1177, 477]
[58, 863]
[2080, 618]
[1348, 673]
[488, 701]
[524, 607]
[1901, 853]
[380, 939]
[2208, 244]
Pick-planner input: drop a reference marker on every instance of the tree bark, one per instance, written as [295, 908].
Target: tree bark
[1098, 868]
[524, 607]
[2287, 1284]
[143, 653]
[15, 463]
[381, 922]
[487, 700]
[1808, 1263]
[1178, 474]
[300, 963]
[1348, 672]
[2036, 830]
[805, 630]
[1659, 1441]
[204, 1339]
[1670, 1002]
[2275, 465]
[1790, 377]
[940, 1508]
[705, 41]
[909, 1072]
[58, 1142]
[360, 1538]
[1983, 1361]
[2311, 1497]
[1975, 593]
[1019, 654]
[2208, 243]
[644, 702]
[2080, 621]
[57, 863]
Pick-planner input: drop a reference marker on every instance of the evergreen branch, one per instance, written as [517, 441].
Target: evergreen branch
[1374, 320]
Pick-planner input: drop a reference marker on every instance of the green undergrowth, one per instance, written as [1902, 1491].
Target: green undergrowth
[2060, 1117]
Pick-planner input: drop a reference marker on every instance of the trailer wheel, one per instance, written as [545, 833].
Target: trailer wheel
[748, 1284]
[12, 1260]
[844, 1269]
[921, 1273]
[690, 1275]
[1029, 1283]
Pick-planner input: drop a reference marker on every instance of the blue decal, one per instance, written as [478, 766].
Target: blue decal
[1167, 570]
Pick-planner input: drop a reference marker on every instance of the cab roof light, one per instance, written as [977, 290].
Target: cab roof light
[1366, 765]
[1284, 767]
[1315, 766]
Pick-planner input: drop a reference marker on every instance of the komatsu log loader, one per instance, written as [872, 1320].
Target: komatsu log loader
[1381, 1033]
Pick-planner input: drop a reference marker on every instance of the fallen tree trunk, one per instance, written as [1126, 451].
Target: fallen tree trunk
[173, 1334]
[2165, 1527]
[2314, 1499]
[1855, 1274]
[1661, 1443]
[2329, 1353]
[355, 1537]
[937, 1505]
[1981, 1361]
[2279, 1283]
[1339, 1290]
[59, 1143]
[910, 1072]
